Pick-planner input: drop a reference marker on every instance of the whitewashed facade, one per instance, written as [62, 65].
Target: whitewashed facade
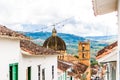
[110, 60]
[17, 64]
[9, 51]
[45, 62]
[109, 6]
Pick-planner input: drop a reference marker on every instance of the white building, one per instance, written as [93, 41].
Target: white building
[101, 7]
[63, 69]
[68, 70]
[22, 59]
[108, 56]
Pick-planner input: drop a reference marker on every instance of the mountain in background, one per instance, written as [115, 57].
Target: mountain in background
[97, 42]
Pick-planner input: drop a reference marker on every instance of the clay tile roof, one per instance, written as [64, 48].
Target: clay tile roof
[62, 66]
[71, 73]
[106, 50]
[70, 58]
[78, 68]
[8, 33]
[34, 49]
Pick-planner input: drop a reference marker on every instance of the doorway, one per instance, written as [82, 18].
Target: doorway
[13, 71]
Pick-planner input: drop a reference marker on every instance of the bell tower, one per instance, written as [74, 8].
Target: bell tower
[84, 52]
[84, 55]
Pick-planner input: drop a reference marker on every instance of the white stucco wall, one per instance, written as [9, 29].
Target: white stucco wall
[9, 53]
[112, 56]
[45, 61]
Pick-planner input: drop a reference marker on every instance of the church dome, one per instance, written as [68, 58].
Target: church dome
[55, 42]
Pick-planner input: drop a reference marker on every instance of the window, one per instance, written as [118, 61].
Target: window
[83, 55]
[38, 72]
[13, 71]
[10, 72]
[29, 73]
[70, 77]
[43, 74]
[52, 72]
[83, 47]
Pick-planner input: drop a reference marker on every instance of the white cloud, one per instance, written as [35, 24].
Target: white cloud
[16, 27]
[14, 13]
[36, 11]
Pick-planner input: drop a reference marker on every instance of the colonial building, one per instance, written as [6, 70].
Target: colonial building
[108, 57]
[68, 70]
[22, 59]
[101, 7]
[63, 67]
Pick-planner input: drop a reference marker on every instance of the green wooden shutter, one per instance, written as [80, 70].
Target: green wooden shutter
[13, 71]
[29, 73]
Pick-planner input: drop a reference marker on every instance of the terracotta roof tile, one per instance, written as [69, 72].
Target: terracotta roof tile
[106, 50]
[35, 49]
[70, 58]
[71, 73]
[62, 66]
[8, 33]
[80, 68]
[77, 68]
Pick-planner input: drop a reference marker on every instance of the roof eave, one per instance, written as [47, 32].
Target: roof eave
[109, 57]
[101, 7]
[28, 54]
[11, 37]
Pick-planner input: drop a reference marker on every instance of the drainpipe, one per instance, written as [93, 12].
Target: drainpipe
[108, 71]
[118, 55]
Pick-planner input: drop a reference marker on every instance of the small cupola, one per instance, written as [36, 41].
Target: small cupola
[54, 32]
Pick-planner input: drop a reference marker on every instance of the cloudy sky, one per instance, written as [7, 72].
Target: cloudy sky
[77, 16]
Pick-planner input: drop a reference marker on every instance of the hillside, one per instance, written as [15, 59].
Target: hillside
[97, 42]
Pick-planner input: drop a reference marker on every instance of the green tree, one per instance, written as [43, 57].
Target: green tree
[93, 62]
[84, 76]
[76, 56]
